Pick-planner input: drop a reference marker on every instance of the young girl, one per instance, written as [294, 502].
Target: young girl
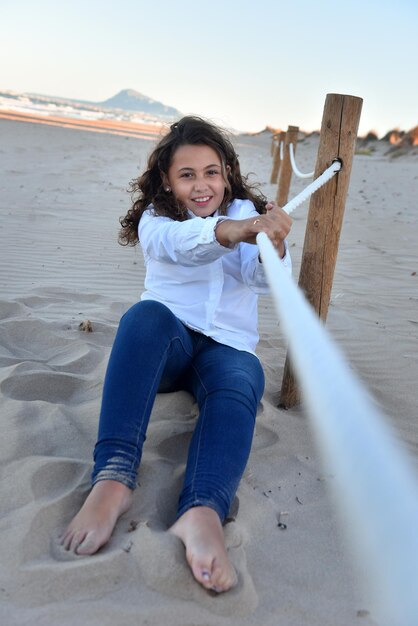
[195, 328]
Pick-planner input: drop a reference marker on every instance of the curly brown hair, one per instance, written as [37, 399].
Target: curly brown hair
[149, 188]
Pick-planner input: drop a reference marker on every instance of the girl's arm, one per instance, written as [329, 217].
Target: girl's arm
[188, 243]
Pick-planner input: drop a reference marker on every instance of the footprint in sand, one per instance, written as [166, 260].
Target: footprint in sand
[35, 340]
[11, 309]
[67, 576]
[30, 339]
[78, 358]
[264, 437]
[55, 488]
[54, 479]
[44, 384]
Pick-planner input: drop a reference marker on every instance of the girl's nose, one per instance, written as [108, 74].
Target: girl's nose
[200, 183]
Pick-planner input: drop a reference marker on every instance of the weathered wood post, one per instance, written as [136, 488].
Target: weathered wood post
[326, 211]
[273, 144]
[280, 137]
[286, 167]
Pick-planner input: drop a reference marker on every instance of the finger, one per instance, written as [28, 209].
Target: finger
[278, 210]
[282, 222]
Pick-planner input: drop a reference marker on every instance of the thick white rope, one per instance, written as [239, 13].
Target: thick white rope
[295, 168]
[314, 186]
[374, 483]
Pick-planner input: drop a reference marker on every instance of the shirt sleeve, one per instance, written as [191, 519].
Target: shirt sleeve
[188, 243]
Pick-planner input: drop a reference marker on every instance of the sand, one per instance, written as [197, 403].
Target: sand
[62, 191]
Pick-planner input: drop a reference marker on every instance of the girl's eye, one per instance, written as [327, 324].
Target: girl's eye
[213, 172]
[186, 175]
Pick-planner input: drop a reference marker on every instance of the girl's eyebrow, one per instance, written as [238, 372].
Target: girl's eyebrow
[206, 167]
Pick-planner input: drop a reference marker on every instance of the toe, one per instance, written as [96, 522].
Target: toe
[223, 577]
[202, 571]
[66, 539]
[89, 545]
[76, 540]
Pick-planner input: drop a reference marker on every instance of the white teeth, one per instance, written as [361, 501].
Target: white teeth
[205, 199]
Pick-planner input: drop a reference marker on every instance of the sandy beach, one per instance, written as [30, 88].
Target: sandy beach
[62, 192]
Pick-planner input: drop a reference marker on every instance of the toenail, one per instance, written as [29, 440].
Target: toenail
[205, 575]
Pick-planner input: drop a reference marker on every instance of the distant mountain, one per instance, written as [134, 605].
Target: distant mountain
[131, 100]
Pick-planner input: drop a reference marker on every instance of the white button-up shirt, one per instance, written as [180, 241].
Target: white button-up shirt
[209, 287]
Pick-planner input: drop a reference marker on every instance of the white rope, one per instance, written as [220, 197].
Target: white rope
[281, 150]
[374, 482]
[295, 168]
[314, 186]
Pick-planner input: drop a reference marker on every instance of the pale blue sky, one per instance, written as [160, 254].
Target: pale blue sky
[242, 63]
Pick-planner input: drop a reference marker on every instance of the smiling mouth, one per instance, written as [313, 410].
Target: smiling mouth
[202, 200]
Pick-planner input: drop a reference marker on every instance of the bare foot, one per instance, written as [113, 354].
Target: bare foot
[93, 525]
[201, 531]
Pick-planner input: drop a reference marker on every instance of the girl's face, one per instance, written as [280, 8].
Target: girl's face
[196, 179]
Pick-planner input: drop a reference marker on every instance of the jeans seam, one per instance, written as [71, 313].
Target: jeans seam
[202, 419]
[139, 429]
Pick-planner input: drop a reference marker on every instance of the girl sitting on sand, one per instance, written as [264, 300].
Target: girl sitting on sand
[195, 329]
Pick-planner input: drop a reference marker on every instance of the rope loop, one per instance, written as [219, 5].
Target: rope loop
[295, 168]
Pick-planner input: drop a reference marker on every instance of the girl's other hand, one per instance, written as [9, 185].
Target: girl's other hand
[271, 204]
[276, 223]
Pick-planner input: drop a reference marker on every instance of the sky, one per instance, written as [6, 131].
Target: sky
[244, 64]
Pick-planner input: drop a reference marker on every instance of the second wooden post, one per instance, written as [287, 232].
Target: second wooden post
[285, 175]
[277, 159]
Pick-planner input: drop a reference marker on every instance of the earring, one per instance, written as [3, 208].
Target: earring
[168, 189]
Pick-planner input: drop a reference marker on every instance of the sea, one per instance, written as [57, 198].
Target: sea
[51, 106]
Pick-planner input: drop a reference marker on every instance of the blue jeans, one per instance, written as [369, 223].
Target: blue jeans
[154, 352]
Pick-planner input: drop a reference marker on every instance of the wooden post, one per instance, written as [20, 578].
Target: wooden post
[286, 167]
[277, 159]
[326, 211]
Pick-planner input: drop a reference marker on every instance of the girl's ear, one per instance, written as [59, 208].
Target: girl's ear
[166, 184]
[228, 170]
